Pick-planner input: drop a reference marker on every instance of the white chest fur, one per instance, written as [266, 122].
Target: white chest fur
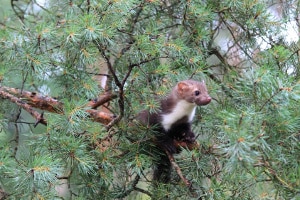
[181, 109]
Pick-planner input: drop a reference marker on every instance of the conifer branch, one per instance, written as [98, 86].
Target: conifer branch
[101, 49]
[270, 99]
[143, 191]
[131, 187]
[273, 174]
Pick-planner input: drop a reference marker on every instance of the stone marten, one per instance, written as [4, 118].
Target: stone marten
[173, 122]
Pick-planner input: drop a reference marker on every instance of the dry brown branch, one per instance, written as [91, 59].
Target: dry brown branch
[39, 117]
[29, 100]
[36, 100]
[99, 116]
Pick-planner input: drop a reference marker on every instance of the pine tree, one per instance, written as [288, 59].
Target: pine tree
[65, 135]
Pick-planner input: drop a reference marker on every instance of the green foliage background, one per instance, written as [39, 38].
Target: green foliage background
[249, 134]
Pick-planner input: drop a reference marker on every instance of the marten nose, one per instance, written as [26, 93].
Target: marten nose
[206, 100]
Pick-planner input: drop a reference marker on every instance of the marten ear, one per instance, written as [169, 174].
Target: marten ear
[182, 86]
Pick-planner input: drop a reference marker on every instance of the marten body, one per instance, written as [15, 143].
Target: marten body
[177, 111]
[173, 122]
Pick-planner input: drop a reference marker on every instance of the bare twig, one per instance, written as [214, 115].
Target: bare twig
[178, 170]
[102, 100]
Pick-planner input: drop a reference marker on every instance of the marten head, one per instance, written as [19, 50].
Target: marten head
[193, 92]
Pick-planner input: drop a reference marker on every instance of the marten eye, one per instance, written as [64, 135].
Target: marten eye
[197, 92]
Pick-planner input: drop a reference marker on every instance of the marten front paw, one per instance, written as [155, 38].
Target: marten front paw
[188, 137]
[186, 144]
